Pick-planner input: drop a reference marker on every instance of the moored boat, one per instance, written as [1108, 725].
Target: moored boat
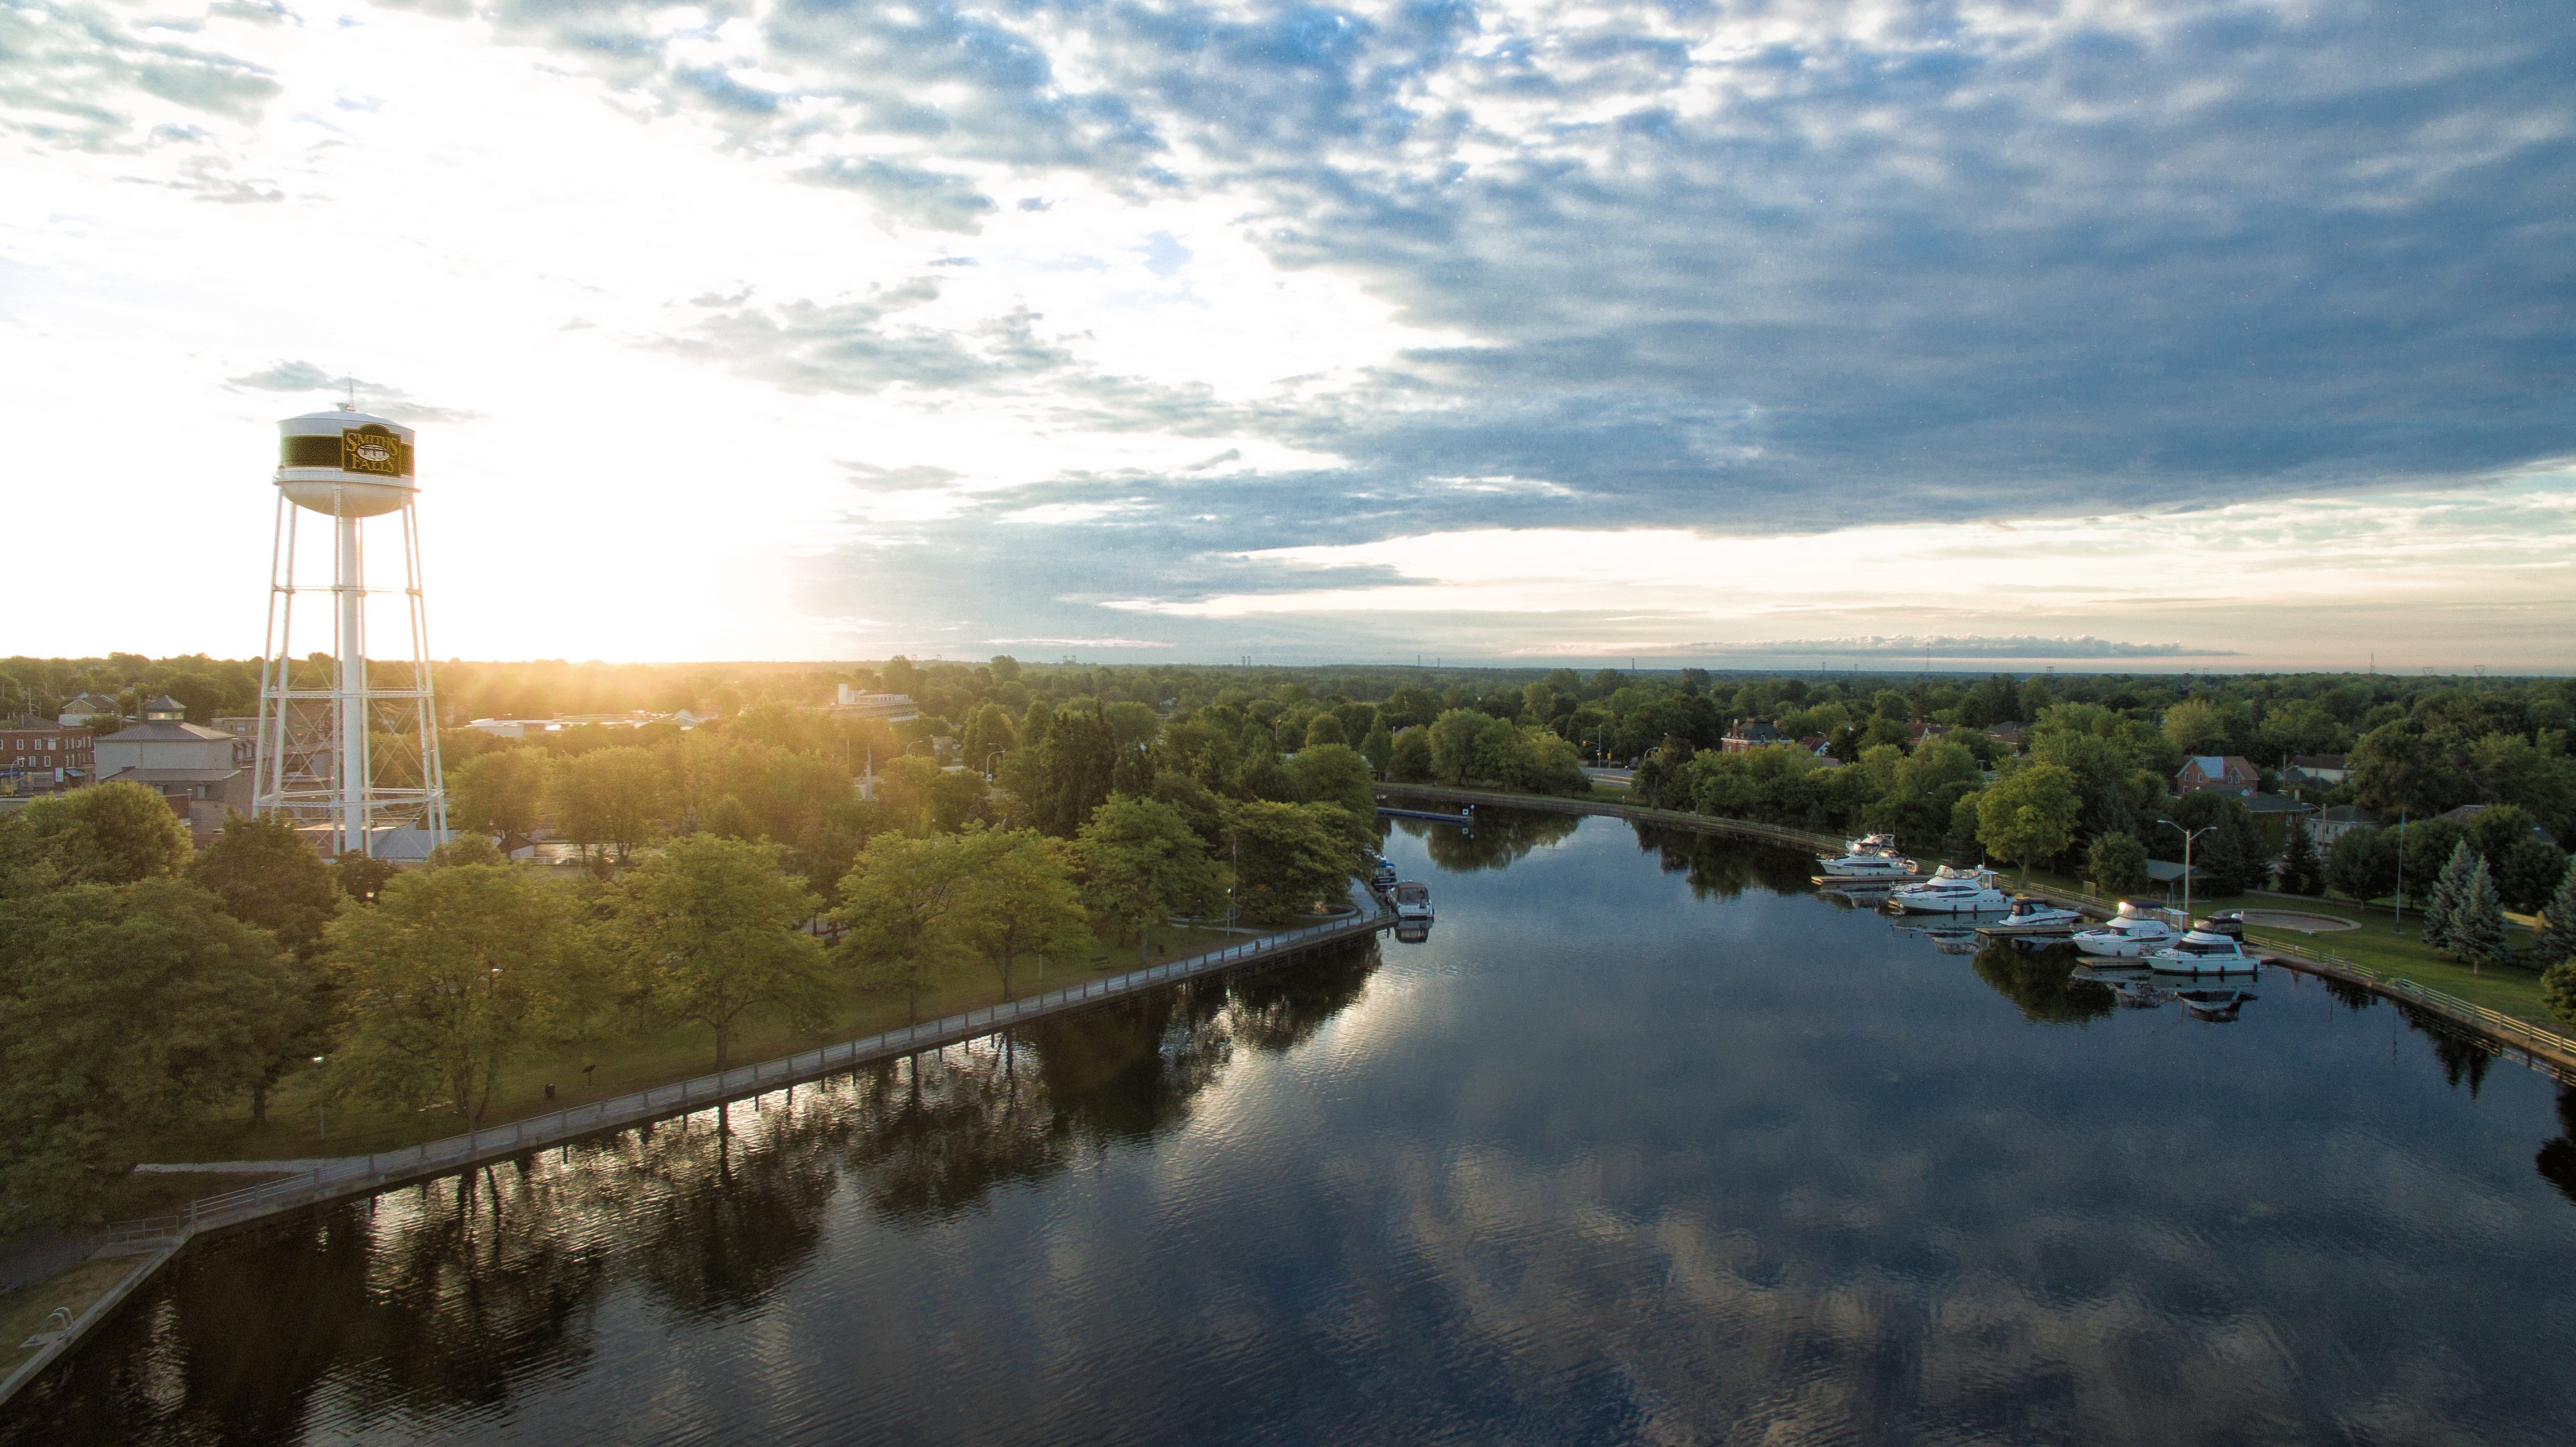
[2036, 916]
[1412, 901]
[1859, 866]
[1951, 891]
[2204, 952]
[2132, 934]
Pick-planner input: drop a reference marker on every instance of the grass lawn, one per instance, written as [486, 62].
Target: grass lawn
[623, 1063]
[23, 1310]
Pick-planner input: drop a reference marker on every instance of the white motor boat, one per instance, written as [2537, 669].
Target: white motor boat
[2129, 935]
[2202, 952]
[2039, 916]
[1952, 891]
[1412, 901]
[1868, 866]
[1871, 844]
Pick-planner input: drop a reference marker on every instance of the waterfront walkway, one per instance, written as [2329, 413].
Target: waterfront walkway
[158, 1238]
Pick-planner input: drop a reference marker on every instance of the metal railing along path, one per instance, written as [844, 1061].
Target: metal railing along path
[359, 1175]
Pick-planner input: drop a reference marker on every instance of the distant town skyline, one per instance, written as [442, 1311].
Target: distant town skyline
[2125, 338]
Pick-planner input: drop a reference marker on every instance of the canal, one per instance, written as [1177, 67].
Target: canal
[1646, 1142]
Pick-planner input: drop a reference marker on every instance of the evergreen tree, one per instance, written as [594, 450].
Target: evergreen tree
[2558, 922]
[2476, 932]
[2301, 870]
[2448, 890]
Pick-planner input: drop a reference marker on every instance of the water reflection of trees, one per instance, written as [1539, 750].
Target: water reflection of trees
[435, 1300]
[1722, 868]
[1499, 836]
[2557, 1159]
[2042, 983]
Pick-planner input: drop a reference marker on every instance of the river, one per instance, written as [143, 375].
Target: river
[1646, 1142]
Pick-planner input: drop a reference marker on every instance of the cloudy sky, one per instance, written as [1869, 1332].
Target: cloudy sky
[2129, 334]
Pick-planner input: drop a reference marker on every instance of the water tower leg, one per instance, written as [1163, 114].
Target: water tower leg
[349, 709]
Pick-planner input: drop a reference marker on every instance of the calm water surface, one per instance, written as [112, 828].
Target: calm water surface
[1646, 1143]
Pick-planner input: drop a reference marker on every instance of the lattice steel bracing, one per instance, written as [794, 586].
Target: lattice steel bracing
[347, 744]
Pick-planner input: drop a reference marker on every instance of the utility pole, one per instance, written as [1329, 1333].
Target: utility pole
[2188, 835]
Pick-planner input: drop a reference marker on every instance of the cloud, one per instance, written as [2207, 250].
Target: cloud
[1970, 646]
[375, 397]
[929, 198]
[84, 77]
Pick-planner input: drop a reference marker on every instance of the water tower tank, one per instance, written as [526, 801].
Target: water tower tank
[345, 463]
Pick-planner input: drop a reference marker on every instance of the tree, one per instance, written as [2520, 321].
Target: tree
[1330, 773]
[2450, 892]
[1017, 900]
[2118, 864]
[2526, 871]
[1143, 863]
[2476, 934]
[2197, 726]
[123, 1010]
[2302, 872]
[2030, 815]
[1378, 747]
[1454, 738]
[2557, 942]
[451, 976]
[1288, 858]
[710, 932]
[500, 794]
[267, 875]
[107, 834]
[1409, 757]
[896, 900]
[614, 798]
[1325, 729]
[2362, 865]
[361, 877]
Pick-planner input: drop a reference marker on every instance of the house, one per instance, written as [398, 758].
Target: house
[163, 708]
[2008, 734]
[1746, 734]
[1921, 729]
[2217, 774]
[849, 702]
[2341, 820]
[2467, 815]
[39, 755]
[2326, 769]
[197, 769]
[81, 709]
[1821, 749]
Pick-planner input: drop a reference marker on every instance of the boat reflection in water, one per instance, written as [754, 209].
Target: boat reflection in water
[1413, 931]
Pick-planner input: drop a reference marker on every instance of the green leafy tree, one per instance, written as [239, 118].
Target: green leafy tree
[2117, 864]
[1017, 899]
[1142, 863]
[710, 932]
[2362, 865]
[1454, 740]
[466, 849]
[362, 877]
[106, 834]
[501, 793]
[2029, 816]
[267, 875]
[124, 1011]
[2476, 936]
[1325, 729]
[2197, 726]
[1409, 757]
[451, 976]
[2437, 916]
[896, 901]
[1378, 747]
[2526, 871]
[617, 798]
[1330, 773]
[1287, 859]
[730, 818]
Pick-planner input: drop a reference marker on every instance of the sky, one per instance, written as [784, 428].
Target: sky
[2105, 334]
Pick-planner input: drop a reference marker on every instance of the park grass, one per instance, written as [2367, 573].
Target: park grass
[624, 1062]
[23, 1309]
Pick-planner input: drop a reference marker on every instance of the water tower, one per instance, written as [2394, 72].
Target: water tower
[346, 752]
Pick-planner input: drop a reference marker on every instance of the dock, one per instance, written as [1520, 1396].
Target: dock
[1464, 820]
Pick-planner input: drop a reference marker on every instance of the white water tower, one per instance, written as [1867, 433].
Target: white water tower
[347, 752]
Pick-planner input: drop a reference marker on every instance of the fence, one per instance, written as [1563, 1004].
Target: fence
[355, 1175]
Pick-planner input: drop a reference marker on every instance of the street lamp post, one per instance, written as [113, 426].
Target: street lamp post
[2188, 835]
[988, 763]
[321, 1112]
